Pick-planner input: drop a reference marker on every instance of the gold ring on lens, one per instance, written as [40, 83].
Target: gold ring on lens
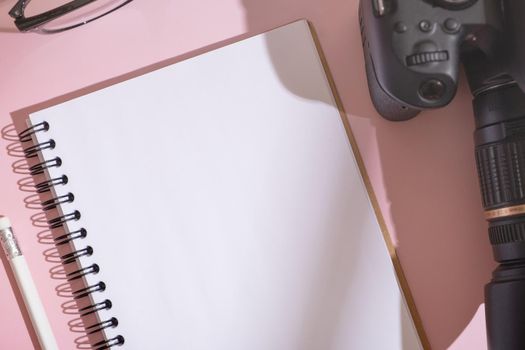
[504, 212]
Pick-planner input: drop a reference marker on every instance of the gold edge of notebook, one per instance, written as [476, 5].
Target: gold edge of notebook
[384, 230]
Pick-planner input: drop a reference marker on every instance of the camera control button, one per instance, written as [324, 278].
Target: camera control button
[451, 25]
[400, 27]
[425, 26]
[432, 89]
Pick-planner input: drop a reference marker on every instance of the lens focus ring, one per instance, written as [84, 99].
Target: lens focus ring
[501, 169]
[504, 233]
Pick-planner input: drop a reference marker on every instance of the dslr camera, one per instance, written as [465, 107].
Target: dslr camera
[413, 50]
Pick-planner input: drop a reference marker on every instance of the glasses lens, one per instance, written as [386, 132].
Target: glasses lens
[75, 18]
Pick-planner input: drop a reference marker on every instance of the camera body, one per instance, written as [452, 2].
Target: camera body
[413, 49]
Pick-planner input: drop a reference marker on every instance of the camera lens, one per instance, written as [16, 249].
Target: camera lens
[432, 90]
[454, 4]
[500, 160]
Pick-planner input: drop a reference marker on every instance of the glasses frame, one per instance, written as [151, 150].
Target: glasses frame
[32, 23]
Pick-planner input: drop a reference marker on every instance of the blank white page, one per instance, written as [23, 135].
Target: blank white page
[225, 206]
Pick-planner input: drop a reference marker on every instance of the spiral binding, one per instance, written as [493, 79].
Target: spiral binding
[59, 221]
[40, 167]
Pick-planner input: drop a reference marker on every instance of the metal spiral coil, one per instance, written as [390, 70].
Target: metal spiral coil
[97, 327]
[57, 201]
[42, 166]
[106, 344]
[59, 222]
[75, 255]
[68, 237]
[46, 186]
[32, 151]
[93, 269]
[105, 305]
[84, 292]
[26, 135]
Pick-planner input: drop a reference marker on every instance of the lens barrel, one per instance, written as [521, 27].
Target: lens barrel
[500, 160]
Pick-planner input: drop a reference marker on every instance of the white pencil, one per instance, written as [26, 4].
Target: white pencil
[27, 286]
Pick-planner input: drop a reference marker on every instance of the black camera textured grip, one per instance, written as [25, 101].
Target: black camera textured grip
[501, 170]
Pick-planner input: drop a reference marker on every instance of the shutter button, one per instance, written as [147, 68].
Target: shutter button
[451, 25]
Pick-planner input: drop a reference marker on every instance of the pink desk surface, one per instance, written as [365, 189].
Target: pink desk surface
[422, 171]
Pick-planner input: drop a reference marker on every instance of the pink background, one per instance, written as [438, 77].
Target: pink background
[422, 171]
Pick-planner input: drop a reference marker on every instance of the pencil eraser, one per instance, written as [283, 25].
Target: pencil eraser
[4, 222]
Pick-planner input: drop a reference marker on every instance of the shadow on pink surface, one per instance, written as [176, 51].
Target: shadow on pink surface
[423, 172]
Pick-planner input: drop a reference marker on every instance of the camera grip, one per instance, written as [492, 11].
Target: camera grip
[386, 106]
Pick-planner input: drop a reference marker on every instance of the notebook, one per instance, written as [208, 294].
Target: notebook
[217, 204]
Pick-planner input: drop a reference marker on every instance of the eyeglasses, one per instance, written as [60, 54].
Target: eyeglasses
[53, 16]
